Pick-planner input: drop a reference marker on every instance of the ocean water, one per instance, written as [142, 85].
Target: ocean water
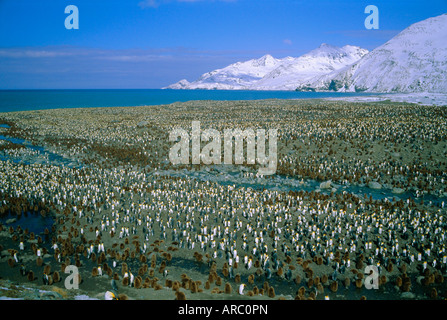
[22, 100]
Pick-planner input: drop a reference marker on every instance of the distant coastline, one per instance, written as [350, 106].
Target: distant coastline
[36, 99]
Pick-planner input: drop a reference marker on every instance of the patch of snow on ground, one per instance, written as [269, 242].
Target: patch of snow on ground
[422, 98]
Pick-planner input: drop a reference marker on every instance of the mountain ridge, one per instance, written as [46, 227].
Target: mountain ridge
[285, 73]
[415, 60]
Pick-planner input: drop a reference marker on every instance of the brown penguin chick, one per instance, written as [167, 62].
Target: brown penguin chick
[176, 285]
[305, 264]
[138, 282]
[301, 292]
[403, 268]
[399, 282]
[56, 277]
[216, 290]
[255, 290]
[309, 273]
[389, 267]
[79, 278]
[124, 268]
[125, 281]
[347, 282]
[147, 283]
[237, 278]
[123, 296]
[433, 293]
[310, 283]
[280, 272]
[271, 292]
[358, 283]
[11, 262]
[251, 279]
[179, 295]
[194, 287]
[157, 286]
[406, 285]
[320, 288]
[334, 286]
[47, 269]
[319, 261]
[382, 280]
[141, 271]
[298, 297]
[212, 277]
[31, 276]
[359, 264]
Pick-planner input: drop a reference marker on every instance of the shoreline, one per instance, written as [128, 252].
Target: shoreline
[422, 98]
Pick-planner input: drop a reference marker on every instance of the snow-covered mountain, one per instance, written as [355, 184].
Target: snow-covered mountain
[413, 61]
[268, 73]
[239, 75]
[296, 71]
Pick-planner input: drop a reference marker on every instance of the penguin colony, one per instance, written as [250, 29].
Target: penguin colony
[115, 218]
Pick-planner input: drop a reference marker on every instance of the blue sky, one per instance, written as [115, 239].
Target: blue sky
[153, 43]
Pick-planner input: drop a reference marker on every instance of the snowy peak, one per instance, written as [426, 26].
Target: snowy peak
[255, 67]
[324, 50]
[434, 27]
[415, 60]
[182, 84]
[265, 61]
[269, 73]
[329, 52]
[295, 71]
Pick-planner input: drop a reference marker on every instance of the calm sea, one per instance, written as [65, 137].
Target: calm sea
[21, 100]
